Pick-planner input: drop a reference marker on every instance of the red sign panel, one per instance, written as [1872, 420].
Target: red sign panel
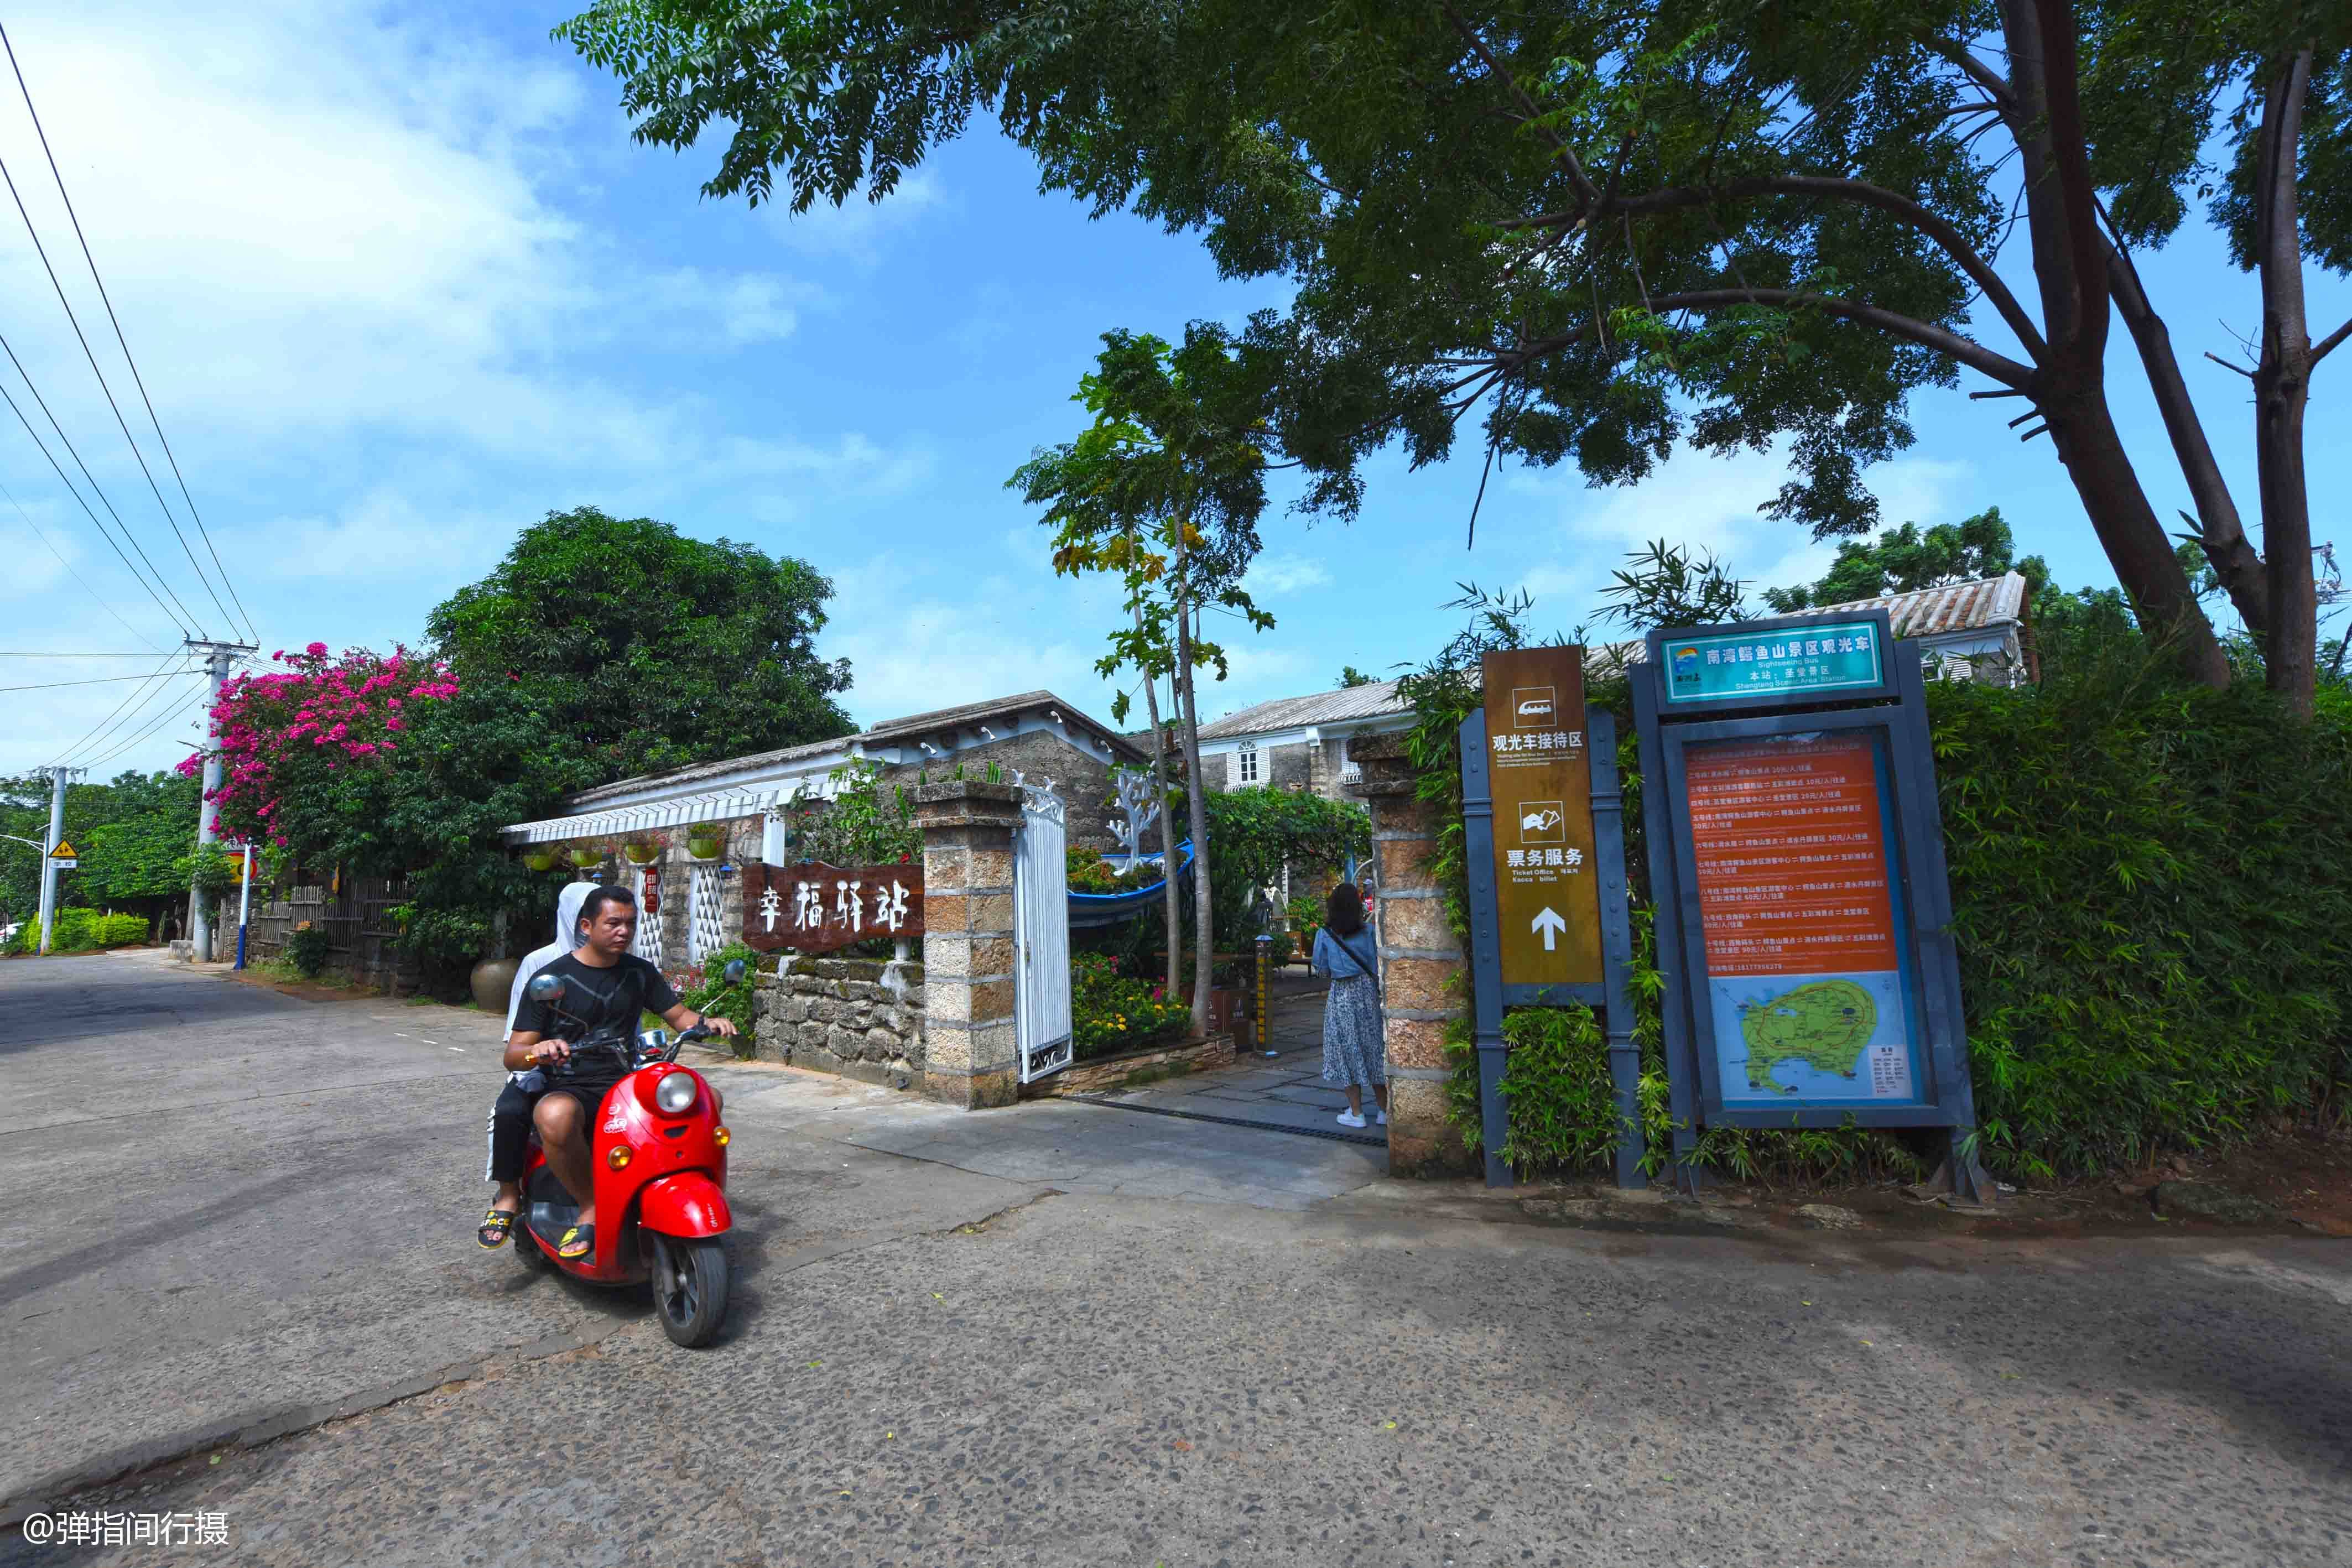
[813, 907]
[1792, 851]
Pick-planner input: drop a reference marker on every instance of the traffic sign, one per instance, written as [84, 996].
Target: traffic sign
[65, 857]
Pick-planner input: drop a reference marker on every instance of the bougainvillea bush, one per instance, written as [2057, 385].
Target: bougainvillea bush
[284, 736]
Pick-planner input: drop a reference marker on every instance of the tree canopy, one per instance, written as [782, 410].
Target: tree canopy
[1608, 231]
[1904, 560]
[645, 650]
[131, 833]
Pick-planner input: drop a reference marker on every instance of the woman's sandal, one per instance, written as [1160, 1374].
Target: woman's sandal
[495, 1224]
[577, 1243]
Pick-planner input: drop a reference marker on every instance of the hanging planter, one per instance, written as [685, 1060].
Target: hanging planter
[540, 859]
[586, 857]
[705, 842]
[642, 852]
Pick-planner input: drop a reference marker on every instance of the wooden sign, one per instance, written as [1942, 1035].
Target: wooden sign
[1547, 891]
[813, 907]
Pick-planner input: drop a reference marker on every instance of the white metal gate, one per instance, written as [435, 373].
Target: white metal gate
[1041, 912]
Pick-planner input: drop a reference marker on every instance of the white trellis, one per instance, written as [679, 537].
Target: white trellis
[647, 943]
[1041, 904]
[705, 924]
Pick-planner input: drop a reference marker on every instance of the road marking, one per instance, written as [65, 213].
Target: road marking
[397, 1035]
[427, 1042]
[457, 1047]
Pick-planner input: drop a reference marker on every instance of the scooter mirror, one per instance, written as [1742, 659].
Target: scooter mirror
[734, 972]
[545, 989]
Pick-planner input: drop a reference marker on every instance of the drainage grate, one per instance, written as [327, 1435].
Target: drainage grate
[1337, 1134]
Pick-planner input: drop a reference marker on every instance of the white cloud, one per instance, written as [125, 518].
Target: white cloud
[1276, 574]
[1708, 504]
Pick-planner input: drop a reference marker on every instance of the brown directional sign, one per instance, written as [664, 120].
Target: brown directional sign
[1547, 891]
[813, 907]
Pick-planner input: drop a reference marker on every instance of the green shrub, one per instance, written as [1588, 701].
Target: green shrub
[121, 930]
[708, 992]
[27, 939]
[77, 930]
[306, 950]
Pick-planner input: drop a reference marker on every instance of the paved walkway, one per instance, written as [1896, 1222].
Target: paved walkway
[1282, 1087]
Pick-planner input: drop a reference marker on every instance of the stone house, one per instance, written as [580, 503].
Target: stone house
[1035, 735]
[1299, 742]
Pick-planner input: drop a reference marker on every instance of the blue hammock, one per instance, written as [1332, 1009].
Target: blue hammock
[1092, 909]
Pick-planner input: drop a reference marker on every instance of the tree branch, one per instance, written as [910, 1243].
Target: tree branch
[1967, 351]
[2329, 342]
[1586, 192]
[1945, 235]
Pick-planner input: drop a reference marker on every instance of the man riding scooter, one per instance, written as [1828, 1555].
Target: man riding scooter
[584, 1041]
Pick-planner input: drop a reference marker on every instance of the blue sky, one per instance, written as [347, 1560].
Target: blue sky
[400, 285]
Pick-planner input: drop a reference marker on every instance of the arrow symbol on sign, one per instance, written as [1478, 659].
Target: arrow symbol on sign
[1548, 922]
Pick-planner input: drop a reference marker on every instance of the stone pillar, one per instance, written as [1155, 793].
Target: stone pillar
[971, 1057]
[1422, 967]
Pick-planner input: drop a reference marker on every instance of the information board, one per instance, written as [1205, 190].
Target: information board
[1541, 772]
[1807, 965]
[1825, 658]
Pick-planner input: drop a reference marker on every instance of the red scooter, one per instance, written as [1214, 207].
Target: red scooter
[660, 1157]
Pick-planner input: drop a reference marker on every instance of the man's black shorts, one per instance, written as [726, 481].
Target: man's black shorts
[589, 1085]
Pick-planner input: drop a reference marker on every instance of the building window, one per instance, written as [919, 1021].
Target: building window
[1246, 763]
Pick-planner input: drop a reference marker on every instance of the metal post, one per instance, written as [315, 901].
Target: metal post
[1616, 945]
[58, 776]
[218, 657]
[244, 904]
[1485, 947]
[1265, 991]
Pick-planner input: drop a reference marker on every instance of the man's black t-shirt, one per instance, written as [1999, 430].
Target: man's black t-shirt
[600, 1006]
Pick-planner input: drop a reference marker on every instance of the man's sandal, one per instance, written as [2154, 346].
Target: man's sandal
[577, 1243]
[495, 1224]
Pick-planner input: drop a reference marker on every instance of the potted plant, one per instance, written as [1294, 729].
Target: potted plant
[586, 857]
[705, 841]
[540, 857]
[642, 852]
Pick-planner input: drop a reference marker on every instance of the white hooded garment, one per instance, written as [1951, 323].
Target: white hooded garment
[568, 905]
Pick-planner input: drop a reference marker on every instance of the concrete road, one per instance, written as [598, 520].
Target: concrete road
[1007, 1338]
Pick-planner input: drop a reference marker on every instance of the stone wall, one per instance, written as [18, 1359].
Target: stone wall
[857, 1017]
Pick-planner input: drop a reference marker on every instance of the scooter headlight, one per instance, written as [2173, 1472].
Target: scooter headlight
[674, 1095]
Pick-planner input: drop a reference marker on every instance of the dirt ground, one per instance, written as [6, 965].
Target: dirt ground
[2307, 1175]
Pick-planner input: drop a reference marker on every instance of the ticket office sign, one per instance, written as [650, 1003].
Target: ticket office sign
[1541, 775]
[1807, 993]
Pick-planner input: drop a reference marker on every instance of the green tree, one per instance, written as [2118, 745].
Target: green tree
[1163, 490]
[1352, 677]
[1615, 229]
[1903, 561]
[137, 855]
[647, 650]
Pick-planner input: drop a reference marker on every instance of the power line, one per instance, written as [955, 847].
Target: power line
[136, 378]
[78, 577]
[140, 740]
[121, 424]
[99, 681]
[181, 620]
[108, 723]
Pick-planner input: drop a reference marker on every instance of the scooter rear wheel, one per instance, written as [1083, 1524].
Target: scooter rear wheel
[689, 1286]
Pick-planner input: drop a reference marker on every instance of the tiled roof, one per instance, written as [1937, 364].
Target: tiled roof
[1377, 700]
[889, 731]
[1972, 606]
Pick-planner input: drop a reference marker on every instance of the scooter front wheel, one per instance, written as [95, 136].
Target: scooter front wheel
[689, 1285]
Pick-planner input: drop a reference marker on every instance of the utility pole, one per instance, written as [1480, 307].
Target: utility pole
[58, 776]
[218, 657]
